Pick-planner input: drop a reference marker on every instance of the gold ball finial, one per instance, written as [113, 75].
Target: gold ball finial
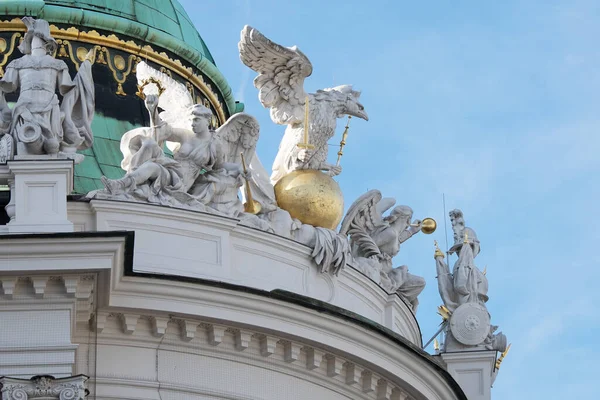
[311, 196]
[428, 226]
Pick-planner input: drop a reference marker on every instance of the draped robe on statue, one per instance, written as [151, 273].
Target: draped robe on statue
[466, 284]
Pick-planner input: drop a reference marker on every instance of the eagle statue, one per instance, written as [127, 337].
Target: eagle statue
[281, 73]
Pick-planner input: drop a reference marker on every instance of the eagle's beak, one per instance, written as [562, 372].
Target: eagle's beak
[361, 113]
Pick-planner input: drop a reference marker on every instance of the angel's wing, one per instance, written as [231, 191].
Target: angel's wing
[174, 98]
[239, 135]
[281, 73]
[366, 212]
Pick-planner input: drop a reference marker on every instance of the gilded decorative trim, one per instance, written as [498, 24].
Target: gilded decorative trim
[5, 54]
[120, 68]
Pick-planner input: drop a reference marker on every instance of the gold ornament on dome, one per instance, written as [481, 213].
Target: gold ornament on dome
[311, 196]
[119, 62]
[81, 53]
[6, 54]
[120, 66]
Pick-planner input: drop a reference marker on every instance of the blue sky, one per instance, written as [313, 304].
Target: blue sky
[494, 104]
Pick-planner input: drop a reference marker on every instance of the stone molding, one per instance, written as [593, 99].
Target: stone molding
[243, 256]
[229, 341]
[193, 305]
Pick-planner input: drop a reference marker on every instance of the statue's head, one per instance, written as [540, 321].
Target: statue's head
[37, 28]
[349, 100]
[460, 231]
[458, 225]
[400, 214]
[201, 117]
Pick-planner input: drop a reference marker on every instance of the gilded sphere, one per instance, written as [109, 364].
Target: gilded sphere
[311, 196]
[428, 226]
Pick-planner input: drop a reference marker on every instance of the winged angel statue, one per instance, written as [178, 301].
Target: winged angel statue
[375, 239]
[281, 73]
[205, 170]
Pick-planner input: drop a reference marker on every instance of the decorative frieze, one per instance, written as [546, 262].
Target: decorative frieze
[38, 286]
[44, 387]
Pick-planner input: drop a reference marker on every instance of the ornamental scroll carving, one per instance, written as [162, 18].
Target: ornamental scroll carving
[44, 387]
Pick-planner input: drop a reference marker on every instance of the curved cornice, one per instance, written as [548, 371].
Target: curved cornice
[288, 315]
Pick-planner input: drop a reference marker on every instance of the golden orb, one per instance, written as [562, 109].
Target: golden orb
[311, 196]
[428, 226]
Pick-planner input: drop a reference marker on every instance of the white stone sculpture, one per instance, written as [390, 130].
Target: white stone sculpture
[375, 240]
[282, 71]
[205, 170]
[331, 250]
[464, 293]
[39, 123]
[44, 387]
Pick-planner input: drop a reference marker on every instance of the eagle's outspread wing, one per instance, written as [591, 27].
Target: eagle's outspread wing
[281, 70]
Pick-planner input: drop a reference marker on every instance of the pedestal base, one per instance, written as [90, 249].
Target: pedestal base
[473, 371]
[39, 189]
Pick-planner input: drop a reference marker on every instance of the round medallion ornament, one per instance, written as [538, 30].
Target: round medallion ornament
[470, 324]
[120, 62]
[3, 45]
[81, 53]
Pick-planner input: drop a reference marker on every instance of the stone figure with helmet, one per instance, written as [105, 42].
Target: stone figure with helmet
[464, 293]
[40, 124]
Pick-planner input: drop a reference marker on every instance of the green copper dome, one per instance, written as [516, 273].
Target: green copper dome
[143, 17]
[166, 16]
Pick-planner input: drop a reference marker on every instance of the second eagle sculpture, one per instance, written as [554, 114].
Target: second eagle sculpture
[280, 81]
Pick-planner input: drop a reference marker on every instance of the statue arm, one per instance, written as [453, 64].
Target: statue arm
[445, 283]
[10, 82]
[407, 234]
[172, 134]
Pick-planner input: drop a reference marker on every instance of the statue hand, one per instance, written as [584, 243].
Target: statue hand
[335, 170]
[91, 56]
[415, 226]
[247, 175]
[304, 155]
